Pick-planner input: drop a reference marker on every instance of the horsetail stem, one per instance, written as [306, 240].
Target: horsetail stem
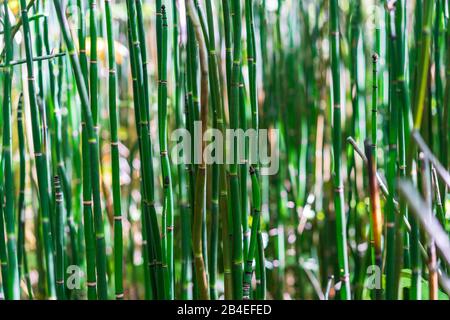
[113, 114]
[341, 240]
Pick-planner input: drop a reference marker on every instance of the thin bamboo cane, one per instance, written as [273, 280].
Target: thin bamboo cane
[165, 162]
[431, 249]
[113, 119]
[200, 183]
[93, 152]
[13, 290]
[237, 252]
[59, 237]
[40, 158]
[375, 208]
[21, 252]
[102, 286]
[216, 106]
[341, 240]
[3, 250]
[424, 63]
[182, 173]
[150, 222]
[256, 199]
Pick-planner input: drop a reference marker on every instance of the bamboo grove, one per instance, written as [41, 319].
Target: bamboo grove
[352, 98]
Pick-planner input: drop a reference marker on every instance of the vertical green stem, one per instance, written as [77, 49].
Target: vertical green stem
[341, 240]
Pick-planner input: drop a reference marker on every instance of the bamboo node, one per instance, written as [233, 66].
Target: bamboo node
[339, 189]
[149, 203]
[390, 224]
[345, 277]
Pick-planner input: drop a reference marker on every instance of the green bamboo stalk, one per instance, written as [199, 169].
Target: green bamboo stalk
[102, 286]
[256, 199]
[391, 221]
[13, 291]
[260, 273]
[375, 81]
[143, 52]
[89, 237]
[228, 46]
[404, 127]
[21, 252]
[165, 162]
[40, 157]
[93, 152]
[22, 256]
[219, 182]
[438, 37]
[237, 252]
[82, 43]
[446, 112]
[341, 240]
[150, 222]
[375, 208]
[200, 180]
[3, 250]
[423, 65]
[35, 59]
[182, 183]
[118, 237]
[93, 64]
[216, 107]
[425, 173]
[59, 237]
[242, 169]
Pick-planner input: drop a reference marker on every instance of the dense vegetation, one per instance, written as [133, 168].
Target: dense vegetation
[355, 97]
